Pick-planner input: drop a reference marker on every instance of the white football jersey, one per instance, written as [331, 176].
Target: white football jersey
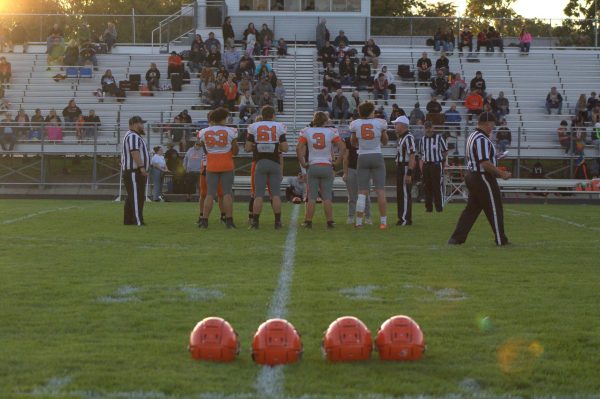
[319, 141]
[266, 135]
[368, 132]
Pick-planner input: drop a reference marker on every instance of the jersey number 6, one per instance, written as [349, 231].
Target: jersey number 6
[366, 132]
[216, 139]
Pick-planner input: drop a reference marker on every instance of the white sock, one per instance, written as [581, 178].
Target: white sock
[383, 219]
[358, 221]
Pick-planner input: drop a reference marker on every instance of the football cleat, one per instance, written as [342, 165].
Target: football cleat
[347, 340]
[276, 342]
[400, 338]
[215, 340]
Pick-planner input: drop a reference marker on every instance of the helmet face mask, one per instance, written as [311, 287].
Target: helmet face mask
[347, 340]
[214, 339]
[400, 338]
[276, 342]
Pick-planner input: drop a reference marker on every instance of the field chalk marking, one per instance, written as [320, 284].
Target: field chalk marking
[269, 382]
[34, 214]
[581, 226]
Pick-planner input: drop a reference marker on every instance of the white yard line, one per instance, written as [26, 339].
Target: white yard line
[571, 223]
[39, 213]
[269, 382]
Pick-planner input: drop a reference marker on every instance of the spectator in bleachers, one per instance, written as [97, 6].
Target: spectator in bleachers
[5, 71]
[525, 40]
[87, 54]
[564, 136]
[331, 79]
[263, 69]
[396, 113]
[581, 107]
[322, 34]
[466, 39]
[282, 47]
[54, 131]
[489, 100]
[4, 105]
[265, 99]
[197, 54]
[439, 40]
[153, 77]
[80, 128]
[482, 40]
[579, 135]
[175, 64]
[247, 117]
[474, 104]
[57, 53]
[186, 120]
[109, 83]
[354, 102]
[5, 39]
[177, 136]
[52, 115]
[363, 75]
[380, 113]
[554, 100]
[391, 81]
[8, 135]
[280, 95]
[55, 33]
[439, 85]
[503, 136]
[380, 88]
[416, 114]
[371, 52]
[157, 172]
[22, 127]
[263, 86]
[596, 114]
[72, 53]
[265, 39]
[213, 60]
[347, 72]
[251, 44]
[453, 119]
[109, 36]
[458, 88]
[219, 94]
[228, 34]
[323, 101]
[596, 138]
[341, 37]
[478, 83]
[443, 63]
[37, 125]
[230, 90]
[424, 68]
[328, 55]
[450, 40]
[231, 59]
[340, 106]
[19, 36]
[84, 34]
[92, 124]
[246, 101]
[494, 40]
[343, 51]
[207, 85]
[502, 105]
[434, 112]
[71, 113]
[244, 85]
[592, 101]
[212, 42]
[246, 68]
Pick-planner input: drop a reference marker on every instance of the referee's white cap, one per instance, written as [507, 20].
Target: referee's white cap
[402, 119]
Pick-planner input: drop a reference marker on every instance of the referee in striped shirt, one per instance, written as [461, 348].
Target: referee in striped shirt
[405, 163]
[484, 193]
[433, 150]
[135, 161]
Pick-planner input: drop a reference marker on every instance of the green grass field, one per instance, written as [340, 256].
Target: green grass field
[93, 309]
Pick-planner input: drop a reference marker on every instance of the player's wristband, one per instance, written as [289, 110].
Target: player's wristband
[409, 172]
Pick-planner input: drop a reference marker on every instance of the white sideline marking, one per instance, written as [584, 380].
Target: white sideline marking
[581, 226]
[34, 214]
[360, 292]
[519, 213]
[269, 382]
[125, 293]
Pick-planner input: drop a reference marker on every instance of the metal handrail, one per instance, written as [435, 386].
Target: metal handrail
[172, 18]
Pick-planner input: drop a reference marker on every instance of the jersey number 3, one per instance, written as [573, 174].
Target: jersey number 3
[366, 132]
[319, 139]
[216, 139]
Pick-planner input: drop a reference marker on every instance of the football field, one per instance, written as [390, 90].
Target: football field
[90, 308]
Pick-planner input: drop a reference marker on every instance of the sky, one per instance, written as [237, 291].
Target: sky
[527, 8]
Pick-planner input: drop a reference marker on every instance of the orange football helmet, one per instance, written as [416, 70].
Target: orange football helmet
[276, 342]
[400, 338]
[214, 339]
[346, 340]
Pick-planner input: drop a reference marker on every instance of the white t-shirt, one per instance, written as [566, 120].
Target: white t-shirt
[319, 141]
[158, 161]
[368, 132]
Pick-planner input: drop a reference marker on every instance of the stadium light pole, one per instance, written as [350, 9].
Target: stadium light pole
[595, 23]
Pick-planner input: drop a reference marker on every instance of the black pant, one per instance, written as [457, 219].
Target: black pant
[432, 179]
[392, 89]
[135, 184]
[461, 45]
[279, 105]
[484, 194]
[403, 195]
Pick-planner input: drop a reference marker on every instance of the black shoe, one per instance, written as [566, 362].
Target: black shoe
[330, 224]
[429, 210]
[231, 225]
[505, 244]
[223, 220]
[203, 223]
[253, 226]
[278, 225]
[307, 224]
[401, 223]
[454, 241]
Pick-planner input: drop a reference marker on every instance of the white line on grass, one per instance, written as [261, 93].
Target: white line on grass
[269, 382]
[581, 226]
[34, 214]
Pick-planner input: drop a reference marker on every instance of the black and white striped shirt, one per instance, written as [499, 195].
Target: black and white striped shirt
[405, 147]
[431, 149]
[480, 148]
[134, 142]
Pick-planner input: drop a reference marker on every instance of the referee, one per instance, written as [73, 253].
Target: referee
[433, 150]
[405, 163]
[134, 167]
[484, 193]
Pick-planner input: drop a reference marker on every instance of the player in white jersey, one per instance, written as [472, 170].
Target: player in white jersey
[319, 141]
[369, 134]
[266, 139]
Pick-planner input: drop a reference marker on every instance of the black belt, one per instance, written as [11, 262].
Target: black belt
[431, 162]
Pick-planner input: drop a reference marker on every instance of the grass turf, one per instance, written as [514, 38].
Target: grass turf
[91, 308]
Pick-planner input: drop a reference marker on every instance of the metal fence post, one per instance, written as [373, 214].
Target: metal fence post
[94, 160]
[519, 153]
[133, 24]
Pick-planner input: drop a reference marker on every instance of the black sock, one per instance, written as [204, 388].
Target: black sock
[278, 218]
[255, 219]
[251, 206]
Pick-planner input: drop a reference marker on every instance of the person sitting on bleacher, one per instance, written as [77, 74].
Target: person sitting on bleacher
[323, 101]
[272, 78]
[19, 36]
[494, 40]
[443, 63]
[197, 54]
[340, 106]
[263, 69]
[331, 79]
[482, 40]
[88, 54]
[391, 81]
[53, 115]
[109, 36]
[439, 85]
[231, 59]
[478, 83]
[327, 55]
[246, 101]
[282, 47]
[424, 68]
[213, 60]
[263, 86]
[153, 77]
[452, 122]
[396, 113]
[564, 136]
[596, 114]
[37, 124]
[5, 39]
[244, 85]
[175, 64]
[433, 107]
[502, 105]
[525, 40]
[465, 39]
[230, 90]
[109, 83]
[212, 42]
[55, 33]
[363, 75]
[343, 51]
[265, 99]
[57, 53]
[72, 53]
[245, 68]
[347, 72]
[8, 137]
[458, 88]
[474, 104]
[22, 127]
[5, 71]
[371, 52]
[503, 136]
[380, 88]
[416, 114]
[489, 100]
[92, 123]
[71, 113]
[592, 101]
[340, 38]
[207, 85]
[554, 101]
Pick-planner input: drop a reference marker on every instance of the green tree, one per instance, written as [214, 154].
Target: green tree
[584, 29]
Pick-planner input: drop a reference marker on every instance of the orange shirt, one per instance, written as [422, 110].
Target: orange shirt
[474, 101]
[230, 91]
